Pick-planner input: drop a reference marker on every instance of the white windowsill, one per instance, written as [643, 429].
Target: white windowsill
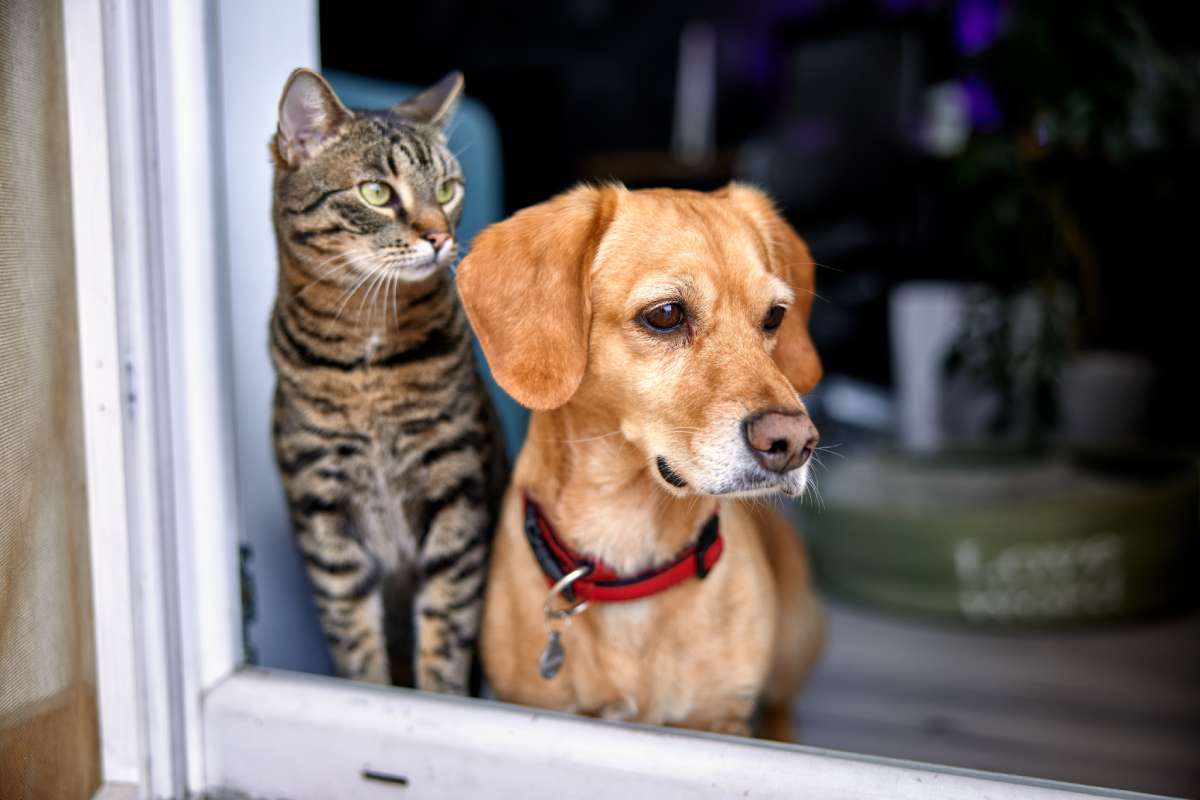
[282, 734]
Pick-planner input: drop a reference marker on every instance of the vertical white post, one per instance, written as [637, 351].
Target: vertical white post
[118, 697]
[196, 360]
[156, 377]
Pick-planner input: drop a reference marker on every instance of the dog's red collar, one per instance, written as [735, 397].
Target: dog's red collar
[602, 583]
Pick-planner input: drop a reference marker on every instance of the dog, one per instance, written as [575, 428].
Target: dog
[660, 338]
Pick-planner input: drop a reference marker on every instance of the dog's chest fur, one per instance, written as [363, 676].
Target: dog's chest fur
[669, 658]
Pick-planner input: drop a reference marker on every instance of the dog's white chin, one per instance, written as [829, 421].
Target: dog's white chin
[752, 482]
[793, 484]
[796, 485]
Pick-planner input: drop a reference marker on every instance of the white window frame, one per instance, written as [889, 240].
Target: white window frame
[179, 716]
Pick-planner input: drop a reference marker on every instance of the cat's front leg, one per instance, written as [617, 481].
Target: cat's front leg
[453, 566]
[347, 587]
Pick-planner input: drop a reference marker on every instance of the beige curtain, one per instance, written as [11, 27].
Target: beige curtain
[49, 744]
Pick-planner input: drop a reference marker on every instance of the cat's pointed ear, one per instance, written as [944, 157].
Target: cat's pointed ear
[436, 104]
[310, 114]
[526, 288]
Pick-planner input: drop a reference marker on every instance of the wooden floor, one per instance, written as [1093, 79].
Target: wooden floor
[1116, 707]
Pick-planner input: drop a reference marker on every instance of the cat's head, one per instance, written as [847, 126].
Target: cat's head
[360, 194]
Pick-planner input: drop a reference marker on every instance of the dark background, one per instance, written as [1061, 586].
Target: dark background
[1079, 170]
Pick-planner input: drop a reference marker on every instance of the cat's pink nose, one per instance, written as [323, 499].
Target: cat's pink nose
[437, 239]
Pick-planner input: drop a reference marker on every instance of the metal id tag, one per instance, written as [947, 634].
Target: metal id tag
[552, 657]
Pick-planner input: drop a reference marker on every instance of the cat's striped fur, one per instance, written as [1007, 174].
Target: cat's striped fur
[383, 432]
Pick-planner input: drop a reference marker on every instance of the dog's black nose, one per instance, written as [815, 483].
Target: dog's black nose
[780, 441]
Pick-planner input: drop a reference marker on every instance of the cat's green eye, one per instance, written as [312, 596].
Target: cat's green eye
[375, 193]
[445, 191]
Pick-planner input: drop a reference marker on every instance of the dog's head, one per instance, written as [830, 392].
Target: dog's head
[680, 317]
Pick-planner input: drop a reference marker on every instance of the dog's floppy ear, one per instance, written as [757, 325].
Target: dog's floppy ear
[525, 285]
[794, 351]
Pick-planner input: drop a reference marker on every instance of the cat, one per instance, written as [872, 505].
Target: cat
[384, 436]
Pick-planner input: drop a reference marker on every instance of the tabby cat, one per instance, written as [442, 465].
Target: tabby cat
[382, 430]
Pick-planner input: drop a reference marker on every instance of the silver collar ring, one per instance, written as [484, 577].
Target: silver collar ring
[561, 586]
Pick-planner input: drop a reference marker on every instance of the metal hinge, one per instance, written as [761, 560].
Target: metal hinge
[249, 602]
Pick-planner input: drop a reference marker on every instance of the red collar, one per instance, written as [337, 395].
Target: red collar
[603, 583]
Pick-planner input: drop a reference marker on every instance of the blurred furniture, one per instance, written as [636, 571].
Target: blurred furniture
[1009, 539]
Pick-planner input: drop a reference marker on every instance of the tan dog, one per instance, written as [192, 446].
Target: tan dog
[661, 338]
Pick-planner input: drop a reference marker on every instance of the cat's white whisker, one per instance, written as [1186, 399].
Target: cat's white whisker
[395, 300]
[350, 296]
[376, 293]
[367, 300]
[337, 262]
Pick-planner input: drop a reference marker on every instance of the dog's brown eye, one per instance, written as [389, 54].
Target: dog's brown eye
[774, 319]
[666, 317]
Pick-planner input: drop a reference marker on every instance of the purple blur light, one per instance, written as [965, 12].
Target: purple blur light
[976, 25]
[981, 101]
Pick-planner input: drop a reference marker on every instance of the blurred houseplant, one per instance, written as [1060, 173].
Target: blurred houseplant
[1076, 112]
[1071, 193]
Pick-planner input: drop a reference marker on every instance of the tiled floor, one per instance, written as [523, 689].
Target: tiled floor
[1116, 706]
